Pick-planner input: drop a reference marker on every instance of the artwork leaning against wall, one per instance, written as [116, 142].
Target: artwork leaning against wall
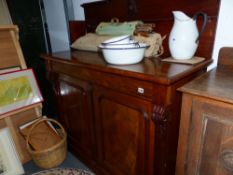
[27, 15]
[9, 159]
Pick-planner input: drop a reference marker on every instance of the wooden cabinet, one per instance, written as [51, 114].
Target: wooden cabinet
[209, 146]
[120, 119]
[206, 129]
[75, 109]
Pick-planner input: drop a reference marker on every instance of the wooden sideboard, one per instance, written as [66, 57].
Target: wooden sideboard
[120, 119]
[206, 129]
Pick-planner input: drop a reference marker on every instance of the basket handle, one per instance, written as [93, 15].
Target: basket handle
[36, 124]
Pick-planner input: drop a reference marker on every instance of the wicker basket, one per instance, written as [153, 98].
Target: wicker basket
[53, 156]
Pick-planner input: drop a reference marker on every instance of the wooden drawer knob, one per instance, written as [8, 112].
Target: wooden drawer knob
[141, 90]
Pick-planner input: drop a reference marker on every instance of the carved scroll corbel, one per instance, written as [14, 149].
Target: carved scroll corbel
[160, 116]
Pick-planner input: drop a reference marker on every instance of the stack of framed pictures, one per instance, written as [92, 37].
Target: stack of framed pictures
[20, 97]
[10, 163]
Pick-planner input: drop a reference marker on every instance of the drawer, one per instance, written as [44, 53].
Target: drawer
[127, 85]
[124, 84]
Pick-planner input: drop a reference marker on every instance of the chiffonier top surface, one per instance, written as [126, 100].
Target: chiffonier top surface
[150, 69]
[217, 83]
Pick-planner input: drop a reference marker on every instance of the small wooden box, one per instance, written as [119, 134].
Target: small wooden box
[11, 56]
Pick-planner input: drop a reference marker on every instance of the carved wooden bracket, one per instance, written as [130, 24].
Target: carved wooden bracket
[160, 116]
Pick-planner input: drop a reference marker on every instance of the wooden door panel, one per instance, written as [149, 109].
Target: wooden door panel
[120, 141]
[122, 124]
[210, 144]
[75, 107]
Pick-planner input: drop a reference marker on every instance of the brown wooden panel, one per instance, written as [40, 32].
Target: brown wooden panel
[159, 9]
[75, 113]
[158, 12]
[8, 51]
[122, 123]
[184, 134]
[150, 69]
[210, 142]
[226, 57]
[147, 10]
[77, 29]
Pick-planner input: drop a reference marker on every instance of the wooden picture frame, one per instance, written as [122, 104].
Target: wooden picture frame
[9, 159]
[18, 89]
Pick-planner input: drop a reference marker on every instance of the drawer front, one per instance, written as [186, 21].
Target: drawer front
[124, 84]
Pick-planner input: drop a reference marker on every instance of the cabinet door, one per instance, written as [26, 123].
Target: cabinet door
[75, 108]
[123, 128]
[210, 139]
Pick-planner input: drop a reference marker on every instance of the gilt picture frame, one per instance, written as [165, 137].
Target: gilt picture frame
[18, 89]
[9, 159]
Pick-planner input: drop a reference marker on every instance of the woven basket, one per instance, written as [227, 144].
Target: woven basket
[50, 157]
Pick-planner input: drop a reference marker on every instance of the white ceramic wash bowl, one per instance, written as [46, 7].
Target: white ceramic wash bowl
[124, 56]
[124, 39]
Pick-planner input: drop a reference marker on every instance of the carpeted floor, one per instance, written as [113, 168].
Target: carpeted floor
[70, 162]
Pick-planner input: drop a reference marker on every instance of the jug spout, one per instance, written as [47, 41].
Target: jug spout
[181, 16]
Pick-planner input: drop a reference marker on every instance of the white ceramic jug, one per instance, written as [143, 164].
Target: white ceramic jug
[184, 36]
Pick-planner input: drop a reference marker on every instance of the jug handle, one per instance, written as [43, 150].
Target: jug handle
[205, 17]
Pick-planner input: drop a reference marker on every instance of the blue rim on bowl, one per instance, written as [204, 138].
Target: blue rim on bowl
[131, 42]
[139, 45]
[129, 45]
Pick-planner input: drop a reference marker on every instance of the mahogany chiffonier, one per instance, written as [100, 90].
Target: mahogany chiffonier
[124, 120]
[120, 119]
[206, 129]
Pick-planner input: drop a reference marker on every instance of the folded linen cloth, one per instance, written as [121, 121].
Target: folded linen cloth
[89, 42]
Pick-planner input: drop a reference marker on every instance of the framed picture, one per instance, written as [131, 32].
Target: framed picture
[18, 89]
[10, 163]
